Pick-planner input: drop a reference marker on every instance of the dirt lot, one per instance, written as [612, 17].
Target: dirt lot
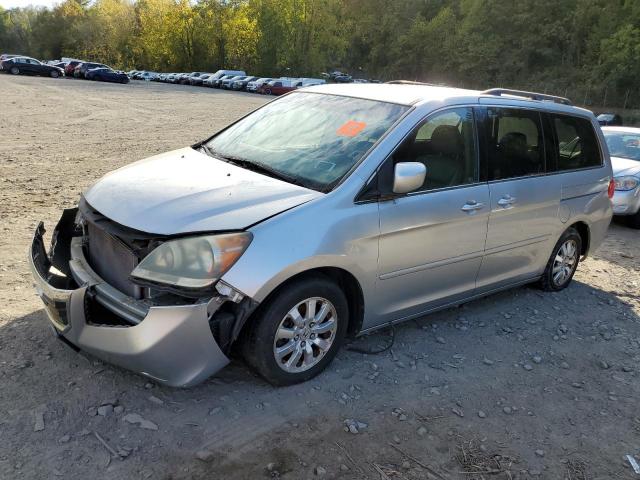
[519, 385]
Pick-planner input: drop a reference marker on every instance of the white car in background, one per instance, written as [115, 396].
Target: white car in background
[624, 147]
[254, 85]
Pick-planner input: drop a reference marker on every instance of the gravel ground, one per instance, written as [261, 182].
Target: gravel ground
[522, 384]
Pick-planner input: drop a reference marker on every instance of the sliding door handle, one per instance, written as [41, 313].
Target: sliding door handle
[472, 206]
[507, 201]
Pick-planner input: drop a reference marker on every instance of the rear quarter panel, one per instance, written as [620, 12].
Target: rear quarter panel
[584, 196]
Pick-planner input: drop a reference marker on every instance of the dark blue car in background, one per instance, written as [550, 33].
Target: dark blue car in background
[107, 75]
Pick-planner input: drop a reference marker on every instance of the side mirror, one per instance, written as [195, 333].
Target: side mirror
[408, 176]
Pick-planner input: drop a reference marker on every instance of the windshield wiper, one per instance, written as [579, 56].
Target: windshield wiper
[254, 166]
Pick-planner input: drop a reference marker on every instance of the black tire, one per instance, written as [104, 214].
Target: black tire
[550, 284]
[634, 220]
[259, 340]
[267, 91]
[14, 71]
[54, 74]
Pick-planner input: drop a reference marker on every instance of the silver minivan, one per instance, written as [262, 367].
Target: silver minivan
[333, 211]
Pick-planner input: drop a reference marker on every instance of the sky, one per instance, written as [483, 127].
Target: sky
[23, 3]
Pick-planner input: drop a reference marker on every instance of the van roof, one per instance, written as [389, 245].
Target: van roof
[413, 93]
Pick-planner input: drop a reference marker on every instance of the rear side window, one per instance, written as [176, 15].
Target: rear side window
[576, 146]
[514, 143]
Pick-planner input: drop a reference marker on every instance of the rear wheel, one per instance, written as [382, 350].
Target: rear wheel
[267, 91]
[563, 262]
[14, 70]
[297, 334]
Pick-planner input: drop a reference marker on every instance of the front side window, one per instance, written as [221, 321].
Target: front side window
[306, 138]
[445, 144]
[577, 146]
[514, 141]
[623, 144]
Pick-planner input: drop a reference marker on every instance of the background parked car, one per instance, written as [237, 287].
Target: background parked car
[280, 86]
[228, 82]
[80, 71]
[308, 82]
[6, 56]
[242, 83]
[199, 81]
[624, 147]
[186, 78]
[107, 75]
[30, 66]
[609, 119]
[255, 84]
[217, 83]
[212, 80]
[148, 76]
[68, 70]
[343, 79]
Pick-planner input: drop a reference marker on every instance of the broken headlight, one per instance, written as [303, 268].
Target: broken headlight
[192, 262]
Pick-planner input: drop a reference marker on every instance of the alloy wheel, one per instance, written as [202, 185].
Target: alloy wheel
[305, 335]
[565, 262]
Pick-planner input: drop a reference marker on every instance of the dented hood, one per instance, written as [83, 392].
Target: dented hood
[187, 191]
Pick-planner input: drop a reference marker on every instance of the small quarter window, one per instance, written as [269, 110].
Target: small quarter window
[577, 145]
[445, 144]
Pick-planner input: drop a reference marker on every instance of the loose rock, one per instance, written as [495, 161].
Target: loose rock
[204, 455]
[39, 425]
[105, 410]
[134, 418]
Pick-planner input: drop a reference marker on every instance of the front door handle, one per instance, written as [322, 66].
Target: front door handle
[507, 201]
[472, 206]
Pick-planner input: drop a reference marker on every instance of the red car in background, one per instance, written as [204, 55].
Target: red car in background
[68, 69]
[279, 86]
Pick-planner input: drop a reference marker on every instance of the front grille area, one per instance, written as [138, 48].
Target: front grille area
[112, 260]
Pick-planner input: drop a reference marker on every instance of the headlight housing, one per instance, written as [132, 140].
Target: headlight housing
[626, 183]
[192, 263]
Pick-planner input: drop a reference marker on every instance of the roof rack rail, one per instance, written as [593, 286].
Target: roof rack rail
[542, 97]
[409, 82]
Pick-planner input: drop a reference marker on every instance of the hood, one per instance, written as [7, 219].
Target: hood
[187, 191]
[624, 166]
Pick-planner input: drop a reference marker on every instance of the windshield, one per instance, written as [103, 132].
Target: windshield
[623, 144]
[312, 138]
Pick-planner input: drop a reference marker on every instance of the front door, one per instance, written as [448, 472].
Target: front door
[432, 240]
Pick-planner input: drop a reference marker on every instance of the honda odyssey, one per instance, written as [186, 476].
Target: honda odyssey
[333, 211]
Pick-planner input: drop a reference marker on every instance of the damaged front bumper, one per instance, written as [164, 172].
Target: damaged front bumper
[172, 344]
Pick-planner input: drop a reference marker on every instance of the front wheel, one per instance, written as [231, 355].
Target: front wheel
[563, 262]
[14, 70]
[54, 74]
[297, 333]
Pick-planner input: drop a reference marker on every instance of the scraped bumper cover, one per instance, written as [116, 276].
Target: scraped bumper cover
[173, 345]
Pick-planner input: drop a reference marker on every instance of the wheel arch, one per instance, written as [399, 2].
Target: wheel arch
[343, 278]
[585, 236]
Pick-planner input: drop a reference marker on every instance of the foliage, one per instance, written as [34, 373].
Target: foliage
[587, 49]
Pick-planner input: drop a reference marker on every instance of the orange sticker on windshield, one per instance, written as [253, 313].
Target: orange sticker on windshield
[351, 128]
